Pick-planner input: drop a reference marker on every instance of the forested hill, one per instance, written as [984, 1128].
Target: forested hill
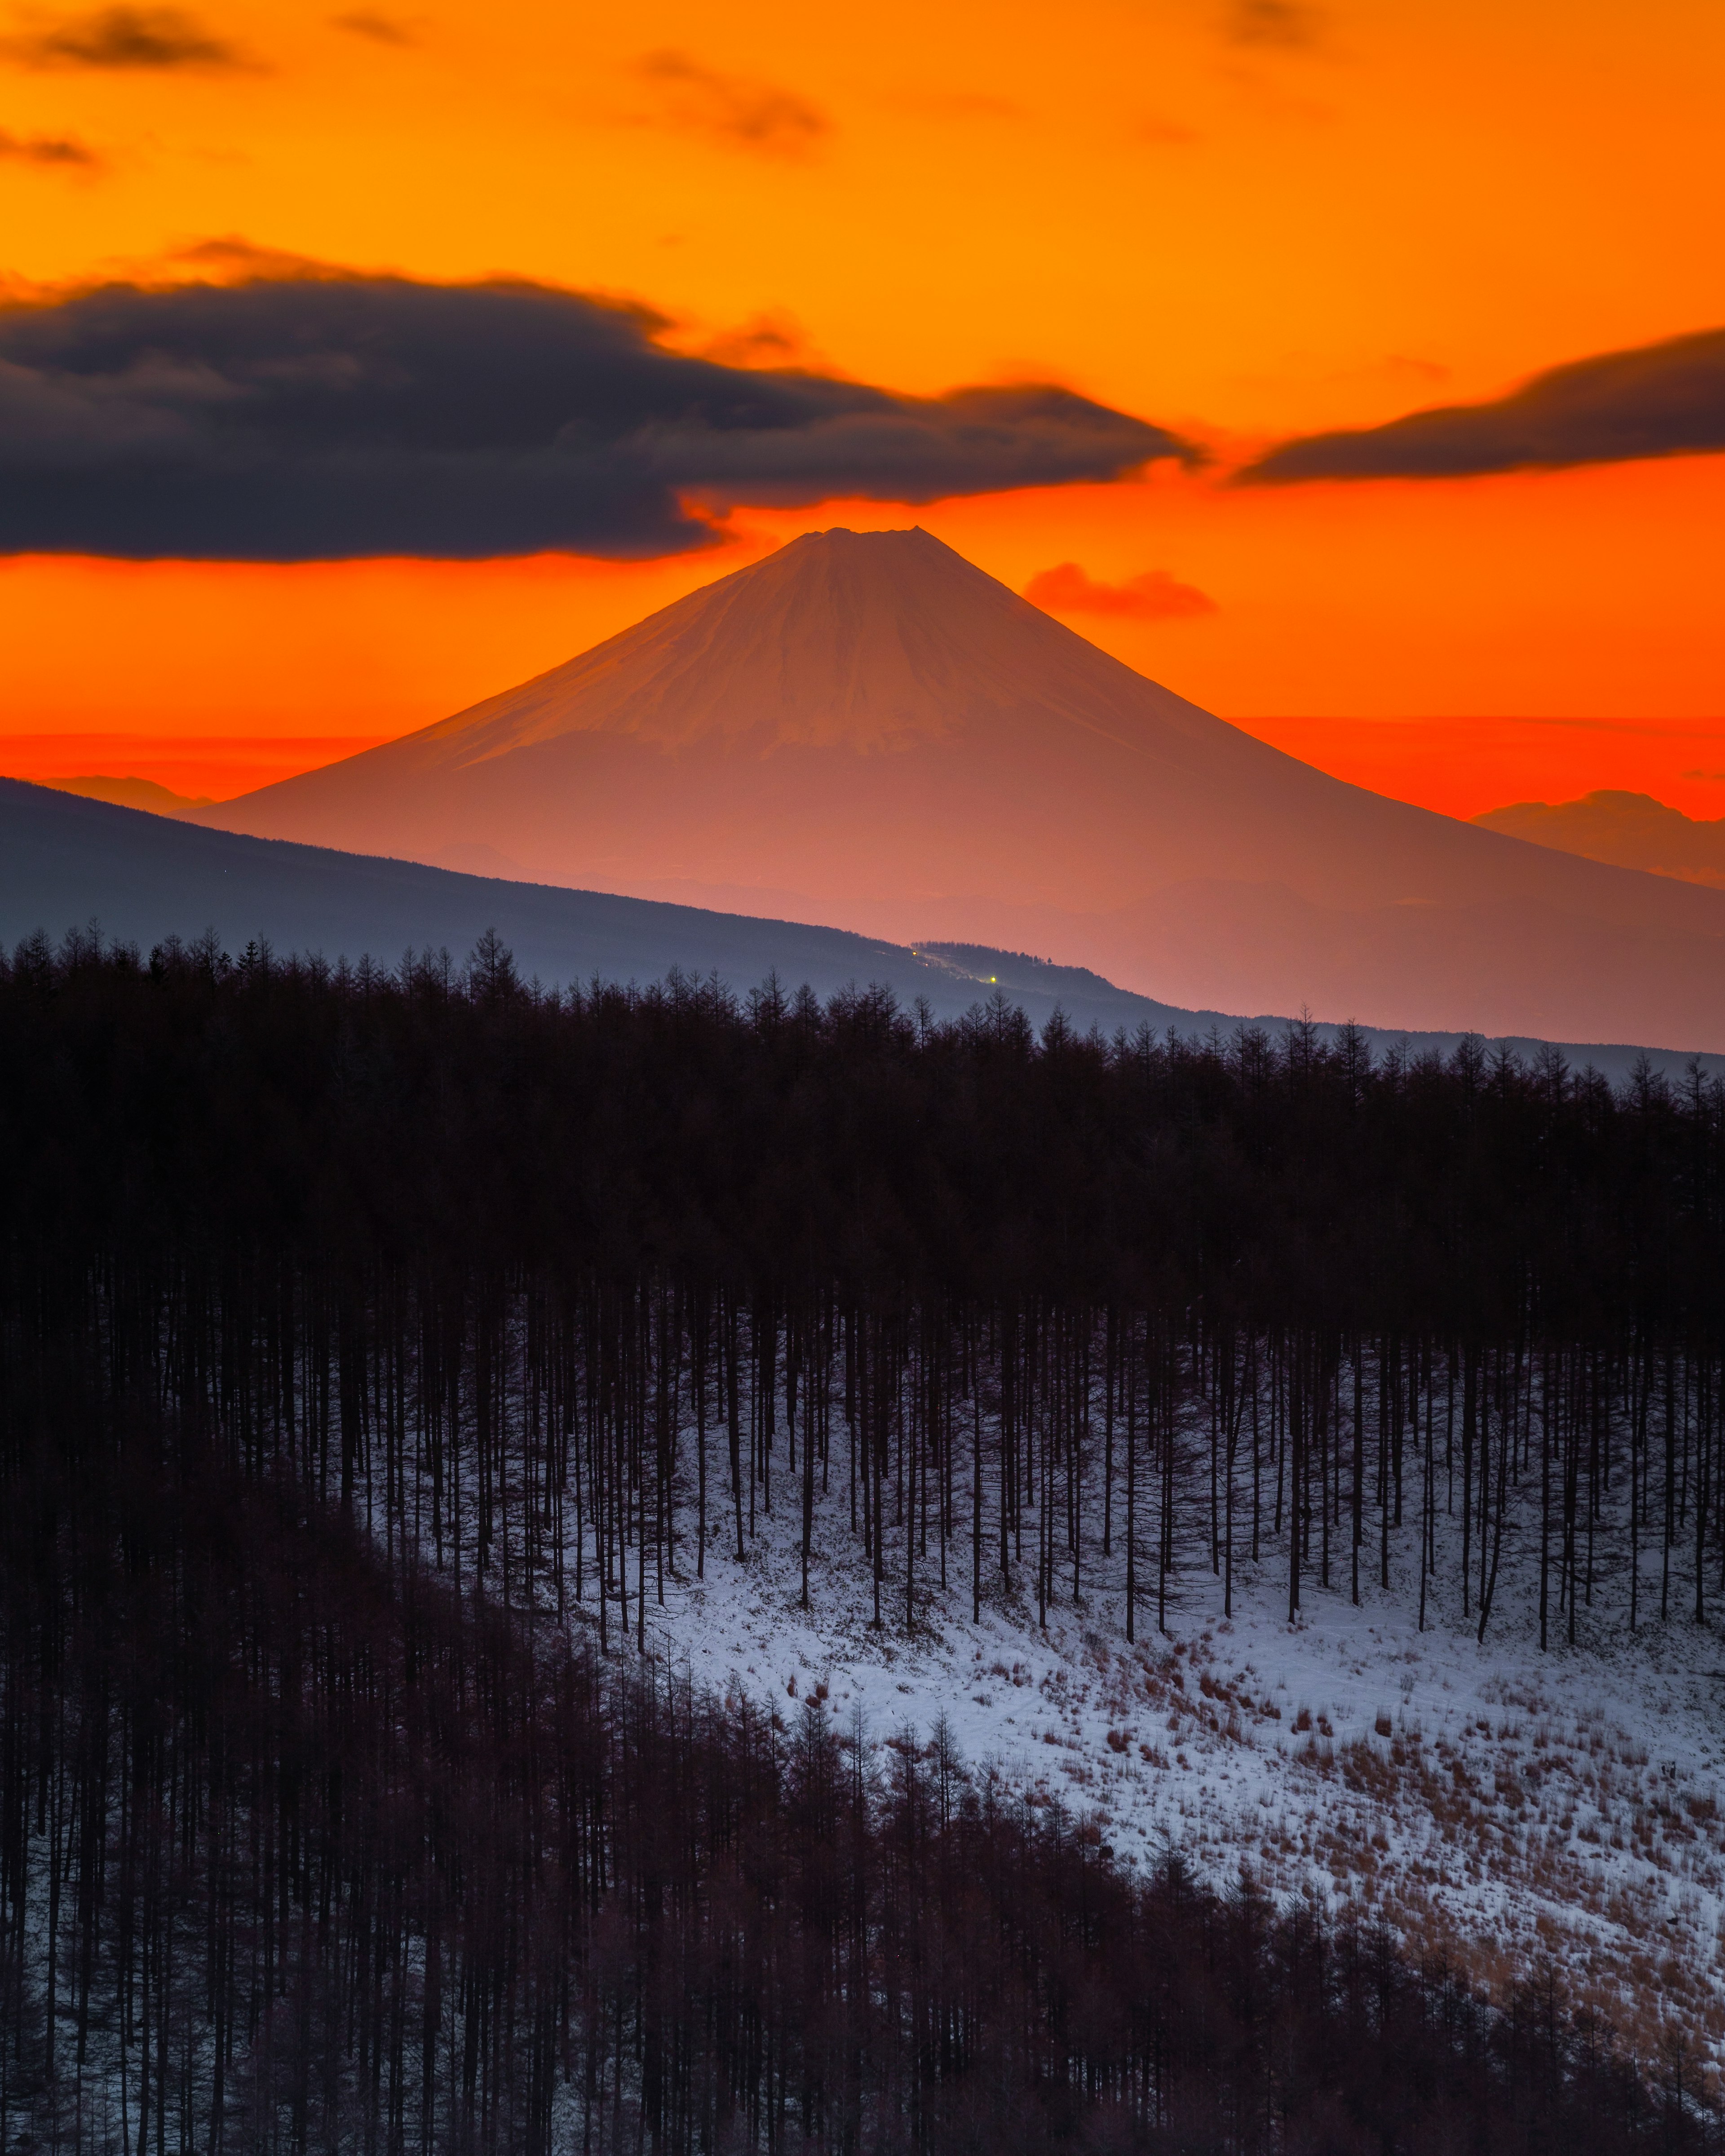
[376, 1347]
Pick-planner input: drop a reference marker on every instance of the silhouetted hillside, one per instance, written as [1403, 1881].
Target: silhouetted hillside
[65, 860]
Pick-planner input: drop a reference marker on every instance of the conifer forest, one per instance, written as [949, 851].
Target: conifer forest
[377, 1346]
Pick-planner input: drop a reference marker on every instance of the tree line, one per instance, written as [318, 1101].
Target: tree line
[568, 1290]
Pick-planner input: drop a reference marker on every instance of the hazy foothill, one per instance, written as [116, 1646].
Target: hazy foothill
[1632, 829]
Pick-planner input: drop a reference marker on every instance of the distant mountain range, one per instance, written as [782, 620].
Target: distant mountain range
[66, 861]
[131, 793]
[866, 731]
[1632, 830]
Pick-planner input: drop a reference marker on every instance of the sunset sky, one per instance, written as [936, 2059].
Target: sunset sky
[1241, 221]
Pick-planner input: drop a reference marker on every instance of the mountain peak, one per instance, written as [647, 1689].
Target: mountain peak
[838, 536]
[865, 640]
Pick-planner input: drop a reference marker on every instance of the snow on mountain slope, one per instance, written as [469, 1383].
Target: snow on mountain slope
[1512, 1810]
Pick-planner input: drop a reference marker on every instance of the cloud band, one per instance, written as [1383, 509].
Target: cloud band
[1660, 400]
[326, 417]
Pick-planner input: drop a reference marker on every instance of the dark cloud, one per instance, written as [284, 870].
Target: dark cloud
[62, 151]
[323, 418]
[1661, 400]
[734, 110]
[140, 38]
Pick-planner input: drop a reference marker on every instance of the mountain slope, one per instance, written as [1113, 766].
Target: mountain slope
[65, 860]
[866, 729]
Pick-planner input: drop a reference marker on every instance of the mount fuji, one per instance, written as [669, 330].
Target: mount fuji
[865, 731]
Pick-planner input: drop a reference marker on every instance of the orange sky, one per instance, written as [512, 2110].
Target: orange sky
[1244, 218]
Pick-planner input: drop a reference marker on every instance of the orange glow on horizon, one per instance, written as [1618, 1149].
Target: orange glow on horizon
[201, 767]
[1458, 765]
[1462, 766]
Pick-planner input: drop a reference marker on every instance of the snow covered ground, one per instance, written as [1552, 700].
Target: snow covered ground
[1510, 1809]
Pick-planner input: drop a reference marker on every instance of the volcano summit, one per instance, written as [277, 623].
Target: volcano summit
[866, 731]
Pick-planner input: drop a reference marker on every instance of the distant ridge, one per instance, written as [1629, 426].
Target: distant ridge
[1633, 830]
[866, 731]
[131, 792]
[65, 860]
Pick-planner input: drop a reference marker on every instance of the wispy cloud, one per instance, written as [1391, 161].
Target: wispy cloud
[230, 257]
[398, 30]
[737, 111]
[770, 339]
[1284, 25]
[65, 152]
[126, 38]
[1657, 400]
[1152, 596]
